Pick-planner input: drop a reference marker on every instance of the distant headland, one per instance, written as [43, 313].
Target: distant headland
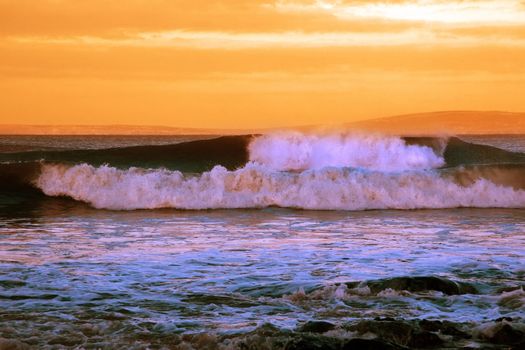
[445, 122]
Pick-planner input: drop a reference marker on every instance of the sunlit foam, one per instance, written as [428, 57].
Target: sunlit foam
[255, 186]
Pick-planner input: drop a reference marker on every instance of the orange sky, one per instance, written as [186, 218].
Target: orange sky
[243, 64]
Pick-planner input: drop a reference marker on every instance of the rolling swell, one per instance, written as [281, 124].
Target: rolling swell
[458, 152]
[233, 152]
[193, 156]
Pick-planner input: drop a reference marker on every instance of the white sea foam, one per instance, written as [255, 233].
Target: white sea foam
[255, 186]
[298, 151]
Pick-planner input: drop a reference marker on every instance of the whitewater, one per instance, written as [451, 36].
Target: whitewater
[296, 170]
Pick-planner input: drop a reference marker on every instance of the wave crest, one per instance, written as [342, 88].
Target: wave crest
[256, 186]
[297, 151]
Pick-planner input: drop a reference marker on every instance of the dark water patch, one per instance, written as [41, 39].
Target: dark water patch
[108, 296]
[21, 148]
[491, 280]
[512, 300]
[368, 344]
[12, 283]
[317, 327]
[397, 332]
[503, 333]
[33, 205]
[444, 327]
[26, 297]
[417, 284]
[67, 341]
[507, 175]
[312, 342]
[112, 316]
[506, 289]
[411, 334]
[19, 143]
[274, 290]
[17, 178]
[13, 344]
[228, 300]
[458, 152]
[366, 334]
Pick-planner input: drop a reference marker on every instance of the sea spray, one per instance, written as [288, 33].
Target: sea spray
[298, 151]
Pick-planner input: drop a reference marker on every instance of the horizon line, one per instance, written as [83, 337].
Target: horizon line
[262, 127]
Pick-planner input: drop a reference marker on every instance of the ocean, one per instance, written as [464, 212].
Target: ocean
[279, 241]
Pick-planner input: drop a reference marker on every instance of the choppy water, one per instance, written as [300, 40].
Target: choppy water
[85, 276]
[72, 276]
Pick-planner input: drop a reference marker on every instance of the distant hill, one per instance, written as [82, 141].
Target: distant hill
[450, 122]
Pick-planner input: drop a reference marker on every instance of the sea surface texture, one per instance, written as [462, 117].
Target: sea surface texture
[279, 241]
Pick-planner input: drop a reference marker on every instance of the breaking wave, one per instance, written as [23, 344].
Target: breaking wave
[294, 170]
[297, 151]
[255, 186]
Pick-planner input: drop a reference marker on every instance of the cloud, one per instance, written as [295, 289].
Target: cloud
[225, 61]
[236, 41]
[112, 17]
[473, 12]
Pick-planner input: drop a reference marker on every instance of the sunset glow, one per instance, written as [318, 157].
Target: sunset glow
[252, 64]
[455, 12]
[262, 174]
